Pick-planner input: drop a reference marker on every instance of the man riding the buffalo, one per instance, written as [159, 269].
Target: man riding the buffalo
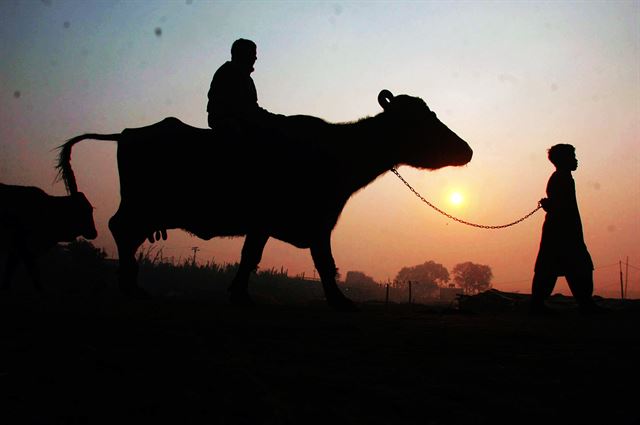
[233, 107]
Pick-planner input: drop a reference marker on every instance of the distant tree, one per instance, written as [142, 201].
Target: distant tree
[358, 279]
[362, 287]
[472, 278]
[425, 279]
[429, 273]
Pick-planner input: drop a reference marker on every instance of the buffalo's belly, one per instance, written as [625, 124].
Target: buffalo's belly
[215, 227]
[292, 226]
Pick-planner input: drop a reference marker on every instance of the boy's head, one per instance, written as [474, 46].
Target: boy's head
[244, 52]
[563, 156]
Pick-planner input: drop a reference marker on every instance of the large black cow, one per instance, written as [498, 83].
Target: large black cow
[291, 184]
[32, 222]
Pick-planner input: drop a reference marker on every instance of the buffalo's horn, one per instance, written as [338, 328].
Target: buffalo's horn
[384, 98]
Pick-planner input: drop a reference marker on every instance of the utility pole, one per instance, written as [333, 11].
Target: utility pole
[386, 297]
[626, 279]
[195, 249]
[621, 284]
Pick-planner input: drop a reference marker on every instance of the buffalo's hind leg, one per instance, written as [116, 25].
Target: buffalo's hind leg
[31, 264]
[128, 239]
[10, 267]
[17, 255]
[323, 260]
[249, 260]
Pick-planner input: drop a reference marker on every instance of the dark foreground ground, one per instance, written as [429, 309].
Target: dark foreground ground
[104, 359]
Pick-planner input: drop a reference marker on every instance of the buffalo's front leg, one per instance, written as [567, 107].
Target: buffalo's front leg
[10, 267]
[31, 265]
[250, 258]
[323, 260]
[128, 239]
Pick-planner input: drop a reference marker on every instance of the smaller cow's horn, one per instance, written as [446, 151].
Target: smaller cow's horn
[384, 98]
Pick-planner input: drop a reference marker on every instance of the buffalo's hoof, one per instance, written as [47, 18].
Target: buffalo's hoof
[135, 292]
[342, 304]
[241, 299]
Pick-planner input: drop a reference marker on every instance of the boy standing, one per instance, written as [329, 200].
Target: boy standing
[562, 248]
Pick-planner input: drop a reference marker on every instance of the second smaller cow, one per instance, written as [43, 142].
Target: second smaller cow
[32, 222]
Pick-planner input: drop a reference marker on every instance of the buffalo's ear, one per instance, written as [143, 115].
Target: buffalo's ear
[384, 98]
[81, 198]
[80, 195]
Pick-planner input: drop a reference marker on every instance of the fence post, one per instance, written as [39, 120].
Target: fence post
[386, 297]
[621, 286]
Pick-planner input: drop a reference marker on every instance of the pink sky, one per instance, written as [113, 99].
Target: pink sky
[511, 78]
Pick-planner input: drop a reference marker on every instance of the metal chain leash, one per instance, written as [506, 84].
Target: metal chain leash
[482, 226]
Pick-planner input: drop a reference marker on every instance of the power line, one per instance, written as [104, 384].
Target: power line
[529, 280]
[513, 281]
[605, 266]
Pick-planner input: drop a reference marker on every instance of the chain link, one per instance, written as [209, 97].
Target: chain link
[482, 226]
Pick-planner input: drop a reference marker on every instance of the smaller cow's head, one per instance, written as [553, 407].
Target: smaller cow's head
[78, 218]
[423, 140]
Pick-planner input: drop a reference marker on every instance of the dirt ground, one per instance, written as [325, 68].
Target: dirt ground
[104, 359]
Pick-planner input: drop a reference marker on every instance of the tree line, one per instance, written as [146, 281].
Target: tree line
[427, 278]
[79, 266]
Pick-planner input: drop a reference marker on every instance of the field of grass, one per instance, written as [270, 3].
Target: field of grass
[80, 353]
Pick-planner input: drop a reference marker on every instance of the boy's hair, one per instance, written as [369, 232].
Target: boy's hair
[241, 46]
[559, 152]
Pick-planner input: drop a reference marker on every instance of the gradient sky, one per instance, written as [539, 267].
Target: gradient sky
[511, 78]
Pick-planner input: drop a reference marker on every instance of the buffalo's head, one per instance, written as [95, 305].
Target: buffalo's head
[423, 141]
[77, 218]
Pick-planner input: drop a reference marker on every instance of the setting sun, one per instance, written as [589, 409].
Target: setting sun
[456, 198]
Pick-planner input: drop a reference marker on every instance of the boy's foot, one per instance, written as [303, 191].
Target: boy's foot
[541, 310]
[591, 309]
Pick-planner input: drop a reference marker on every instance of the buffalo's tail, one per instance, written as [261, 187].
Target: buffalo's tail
[65, 173]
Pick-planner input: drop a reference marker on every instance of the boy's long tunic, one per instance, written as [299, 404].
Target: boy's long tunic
[562, 247]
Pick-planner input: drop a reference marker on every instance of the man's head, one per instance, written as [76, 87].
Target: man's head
[244, 53]
[563, 156]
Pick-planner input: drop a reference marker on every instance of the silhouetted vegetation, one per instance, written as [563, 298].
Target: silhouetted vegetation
[472, 278]
[211, 279]
[361, 287]
[76, 267]
[81, 267]
[425, 279]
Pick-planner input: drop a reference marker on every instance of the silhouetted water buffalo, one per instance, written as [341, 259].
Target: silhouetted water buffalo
[291, 185]
[32, 222]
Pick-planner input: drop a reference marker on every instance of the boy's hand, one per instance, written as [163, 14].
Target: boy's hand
[545, 204]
